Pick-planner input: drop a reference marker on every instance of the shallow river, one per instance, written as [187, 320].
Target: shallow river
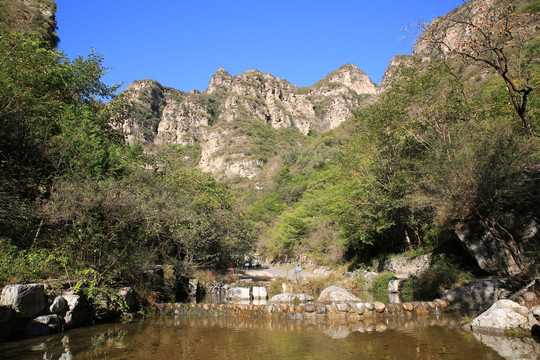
[230, 338]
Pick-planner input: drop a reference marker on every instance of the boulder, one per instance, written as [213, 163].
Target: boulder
[239, 294]
[58, 305]
[27, 300]
[337, 294]
[379, 306]
[291, 298]
[78, 310]
[503, 315]
[502, 248]
[477, 295]
[259, 293]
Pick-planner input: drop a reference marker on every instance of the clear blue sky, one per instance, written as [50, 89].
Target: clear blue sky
[182, 43]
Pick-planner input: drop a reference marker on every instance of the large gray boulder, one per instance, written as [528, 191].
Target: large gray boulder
[27, 300]
[478, 295]
[291, 298]
[337, 294]
[404, 266]
[503, 315]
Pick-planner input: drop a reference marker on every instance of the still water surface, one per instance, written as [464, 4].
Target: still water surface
[230, 338]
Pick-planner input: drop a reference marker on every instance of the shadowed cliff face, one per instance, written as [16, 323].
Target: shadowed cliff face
[163, 115]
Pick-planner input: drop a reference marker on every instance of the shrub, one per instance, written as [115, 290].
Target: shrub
[380, 283]
[24, 266]
[442, 275]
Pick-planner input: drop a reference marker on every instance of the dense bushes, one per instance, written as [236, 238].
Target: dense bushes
[75, 199]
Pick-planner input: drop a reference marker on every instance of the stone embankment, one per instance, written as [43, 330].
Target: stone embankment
[349, 311]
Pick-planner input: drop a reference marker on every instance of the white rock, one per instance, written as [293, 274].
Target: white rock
[503, 315]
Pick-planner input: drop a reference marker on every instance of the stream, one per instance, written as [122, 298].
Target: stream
[193, 337]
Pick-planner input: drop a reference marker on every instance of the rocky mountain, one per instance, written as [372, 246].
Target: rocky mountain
[163, 115]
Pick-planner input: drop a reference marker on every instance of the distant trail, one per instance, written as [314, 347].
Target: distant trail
[273, 273]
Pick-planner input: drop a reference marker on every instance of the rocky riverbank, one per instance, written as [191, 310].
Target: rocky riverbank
[29, 310]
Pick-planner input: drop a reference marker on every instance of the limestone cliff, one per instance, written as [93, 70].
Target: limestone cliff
[164, 115]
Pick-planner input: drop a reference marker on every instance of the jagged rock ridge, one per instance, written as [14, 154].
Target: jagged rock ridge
[163, 115]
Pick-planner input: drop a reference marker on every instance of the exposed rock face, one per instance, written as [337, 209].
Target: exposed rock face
[452, 28]
[403, 267]
[163, 115]
[36, 17]
[502, 245]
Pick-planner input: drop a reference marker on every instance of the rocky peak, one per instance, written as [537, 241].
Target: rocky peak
[221, 81]
[348, 77]
[145, 92]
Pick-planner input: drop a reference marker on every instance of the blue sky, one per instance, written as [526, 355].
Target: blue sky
[182, 43]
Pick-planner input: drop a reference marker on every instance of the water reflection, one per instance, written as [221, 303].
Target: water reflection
[510, 348]
[244, 338]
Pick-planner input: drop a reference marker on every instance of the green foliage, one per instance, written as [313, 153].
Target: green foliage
[532, 8]
[430, 153]
[50, 123]
[25, 266]
[442, 275]
[178, 215]
[380, 282]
